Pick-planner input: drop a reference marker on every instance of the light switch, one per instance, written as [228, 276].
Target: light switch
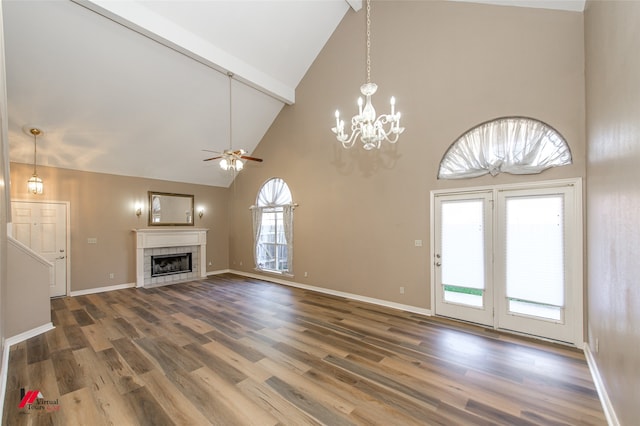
[92, 240]
[418, 243]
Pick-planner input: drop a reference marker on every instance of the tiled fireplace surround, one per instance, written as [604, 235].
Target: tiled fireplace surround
[170, 241]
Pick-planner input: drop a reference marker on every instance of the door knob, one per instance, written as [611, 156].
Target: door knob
[438, 263]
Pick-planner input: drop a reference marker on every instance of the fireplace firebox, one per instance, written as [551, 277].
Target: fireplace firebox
[169, 264]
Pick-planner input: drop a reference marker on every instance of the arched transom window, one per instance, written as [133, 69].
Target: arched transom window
[516, 145]
[273, 227]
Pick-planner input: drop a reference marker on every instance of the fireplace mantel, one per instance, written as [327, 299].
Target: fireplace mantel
[147, 238]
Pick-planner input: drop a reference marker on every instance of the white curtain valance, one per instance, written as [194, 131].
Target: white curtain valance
[515, 145]
[274, 192]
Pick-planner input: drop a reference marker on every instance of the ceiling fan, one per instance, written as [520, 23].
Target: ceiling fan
[231, 159]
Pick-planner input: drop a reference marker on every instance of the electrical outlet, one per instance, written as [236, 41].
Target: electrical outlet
[401, 290]
[210, 263]
[111, 275]
[306, 274]
[241, 263]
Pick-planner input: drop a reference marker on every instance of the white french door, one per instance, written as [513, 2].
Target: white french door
[463, 257]
[511, 258]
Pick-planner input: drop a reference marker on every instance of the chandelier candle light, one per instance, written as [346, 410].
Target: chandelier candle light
[371, 130]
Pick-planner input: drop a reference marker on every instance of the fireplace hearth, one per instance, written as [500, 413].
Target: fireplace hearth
[169, 264]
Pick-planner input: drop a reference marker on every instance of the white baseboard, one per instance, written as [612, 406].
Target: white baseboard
[351, 296]
[609, 412]
[8, 342]
[218, 272]
[102, 289]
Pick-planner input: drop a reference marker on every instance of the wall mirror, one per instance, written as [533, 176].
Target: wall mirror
[167, 209]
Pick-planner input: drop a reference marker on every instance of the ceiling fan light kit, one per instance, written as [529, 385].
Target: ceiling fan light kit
[371, 130]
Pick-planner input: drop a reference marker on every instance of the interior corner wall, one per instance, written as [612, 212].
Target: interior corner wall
[4, 197]
[451, 66]
[102, 206]
[612, 43]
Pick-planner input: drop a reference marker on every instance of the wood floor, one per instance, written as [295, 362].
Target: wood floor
[234, 351]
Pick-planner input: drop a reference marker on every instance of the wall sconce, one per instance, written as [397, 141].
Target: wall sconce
[138, 208]
[200, 212]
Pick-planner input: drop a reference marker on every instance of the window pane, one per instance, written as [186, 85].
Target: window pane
[268, 231]
[463, 295]
[535, 309]
[463, 244]
[535, 249]
[282, 258]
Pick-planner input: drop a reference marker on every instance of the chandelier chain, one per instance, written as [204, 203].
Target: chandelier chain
[368, 41]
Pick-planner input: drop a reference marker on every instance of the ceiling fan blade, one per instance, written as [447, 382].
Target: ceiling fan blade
[210, 150]
[246, 157]
[212, 158]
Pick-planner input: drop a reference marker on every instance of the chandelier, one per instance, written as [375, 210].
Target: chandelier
[35, 184]
[372, 130]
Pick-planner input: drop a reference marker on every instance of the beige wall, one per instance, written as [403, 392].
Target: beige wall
[4, 191]
[451, 66]
[27, 290]
[612, 42]
[102, 207]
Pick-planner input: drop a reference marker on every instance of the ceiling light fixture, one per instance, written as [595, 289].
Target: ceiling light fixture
[35, 184]
[372, 130]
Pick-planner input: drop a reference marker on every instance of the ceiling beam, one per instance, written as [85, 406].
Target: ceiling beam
[356, 5]
[137, 18]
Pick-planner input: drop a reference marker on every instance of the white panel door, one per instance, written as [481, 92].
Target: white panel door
[43, 228]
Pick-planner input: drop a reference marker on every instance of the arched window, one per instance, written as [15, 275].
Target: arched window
[516, 145]
[273, 227]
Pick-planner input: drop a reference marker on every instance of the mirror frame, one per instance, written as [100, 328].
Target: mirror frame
[190, 199]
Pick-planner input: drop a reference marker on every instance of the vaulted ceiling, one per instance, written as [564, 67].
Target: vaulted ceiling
[141, 87]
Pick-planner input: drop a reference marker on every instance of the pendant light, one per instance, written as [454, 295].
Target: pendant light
[35, 184]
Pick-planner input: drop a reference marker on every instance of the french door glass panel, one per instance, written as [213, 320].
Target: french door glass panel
[534, 253]
[463, 270]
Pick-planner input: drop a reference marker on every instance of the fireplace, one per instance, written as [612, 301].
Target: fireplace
[169, 264]
[169, 242]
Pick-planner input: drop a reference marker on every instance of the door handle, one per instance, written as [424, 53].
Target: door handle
[60, 257]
